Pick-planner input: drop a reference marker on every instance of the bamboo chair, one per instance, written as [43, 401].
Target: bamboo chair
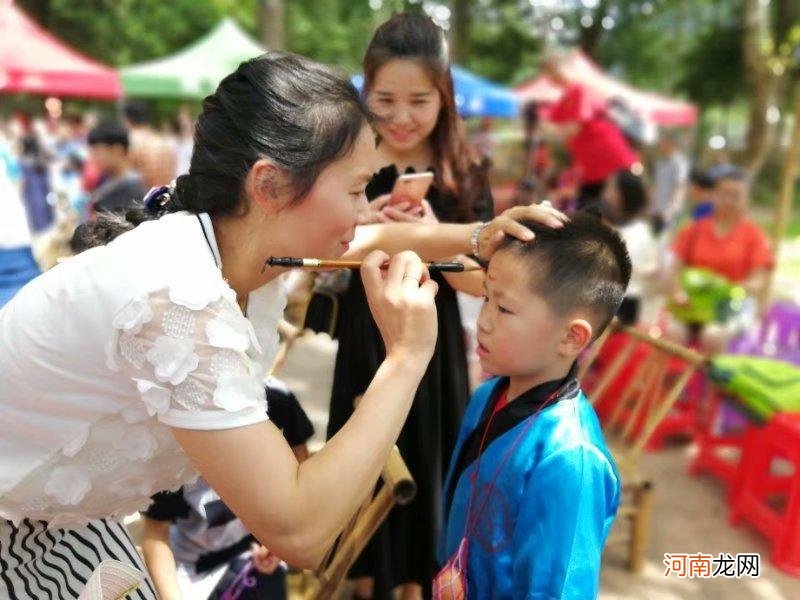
[643, 404]
[397, 487]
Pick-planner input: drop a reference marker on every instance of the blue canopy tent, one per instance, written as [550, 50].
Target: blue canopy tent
[475, 96]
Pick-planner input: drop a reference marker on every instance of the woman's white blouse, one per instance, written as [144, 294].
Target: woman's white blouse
[102, 355]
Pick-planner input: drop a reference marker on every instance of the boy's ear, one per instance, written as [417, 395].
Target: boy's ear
[579, 335]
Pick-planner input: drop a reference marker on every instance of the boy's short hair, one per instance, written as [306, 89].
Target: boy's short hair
[583, 265]
[109, 133]
[701, 179]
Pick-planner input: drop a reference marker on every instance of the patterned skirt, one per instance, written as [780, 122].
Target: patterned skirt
[38, 563]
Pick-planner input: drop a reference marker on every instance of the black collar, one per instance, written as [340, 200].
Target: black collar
[511, 415]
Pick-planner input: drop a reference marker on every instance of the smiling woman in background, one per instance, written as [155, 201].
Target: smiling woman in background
[408, 86]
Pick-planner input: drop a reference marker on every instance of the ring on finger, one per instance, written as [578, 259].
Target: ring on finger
[411, 277]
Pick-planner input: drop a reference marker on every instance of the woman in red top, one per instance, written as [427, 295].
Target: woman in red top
[728, 243]
[596, 144]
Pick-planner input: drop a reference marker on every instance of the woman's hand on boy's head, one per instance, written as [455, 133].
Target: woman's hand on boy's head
[507, 224]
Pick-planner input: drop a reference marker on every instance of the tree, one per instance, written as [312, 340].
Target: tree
[272, 23]
[459, 33]
[770, 42]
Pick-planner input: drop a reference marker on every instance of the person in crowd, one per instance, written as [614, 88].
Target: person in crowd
[598, 147]
[195, 547]
[701, 190]
[626, 202]
[409, 87]
[122, 186]
[151, 153]
[671, 173]
[730, 244]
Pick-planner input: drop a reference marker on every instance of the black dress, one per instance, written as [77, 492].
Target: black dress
[403, 549]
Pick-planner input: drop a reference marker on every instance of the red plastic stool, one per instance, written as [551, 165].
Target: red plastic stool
[756, 485]
[714, 448]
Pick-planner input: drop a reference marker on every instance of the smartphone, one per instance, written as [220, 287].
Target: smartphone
[411, 188]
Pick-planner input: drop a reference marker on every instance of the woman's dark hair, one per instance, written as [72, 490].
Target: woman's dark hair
[296, 112]
[416, 37]
[633, 194]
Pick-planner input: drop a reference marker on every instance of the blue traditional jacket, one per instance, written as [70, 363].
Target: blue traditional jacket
[546, 494]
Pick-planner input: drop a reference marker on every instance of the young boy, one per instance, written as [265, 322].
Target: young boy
[193, 544]
[121, 186]
[701, 192]
[532, 490]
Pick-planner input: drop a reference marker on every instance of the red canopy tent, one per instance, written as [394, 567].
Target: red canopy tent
[579, 68]
[33, 61]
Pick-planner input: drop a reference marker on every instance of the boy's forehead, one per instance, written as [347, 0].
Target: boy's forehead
[511, 272]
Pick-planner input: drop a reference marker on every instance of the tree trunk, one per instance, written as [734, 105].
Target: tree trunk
[590, 36]
[271, 18]
[459, 31]
[759, 84]
[783, 208]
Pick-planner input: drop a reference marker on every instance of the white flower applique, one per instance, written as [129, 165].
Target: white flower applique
[197, 290]
[230, 330]
[133, 315]
[236, 391]
[135, 443]
[172, 358]
[75, 444]
[155, 397]
[68, 485]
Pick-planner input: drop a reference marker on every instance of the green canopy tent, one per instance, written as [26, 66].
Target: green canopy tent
[195, 71]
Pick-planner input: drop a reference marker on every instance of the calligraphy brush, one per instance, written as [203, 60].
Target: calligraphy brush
[318, 263]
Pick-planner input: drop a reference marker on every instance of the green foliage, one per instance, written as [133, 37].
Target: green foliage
[119, 32]
[331, 31]
[713, 71]
[502, 43]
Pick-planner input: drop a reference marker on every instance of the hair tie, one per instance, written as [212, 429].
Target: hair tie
[157, 198]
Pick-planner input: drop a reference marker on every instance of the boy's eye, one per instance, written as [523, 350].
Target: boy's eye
[504, 310]
[358, 194]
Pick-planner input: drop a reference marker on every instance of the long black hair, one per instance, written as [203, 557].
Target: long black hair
[300, 114]
[416, 37]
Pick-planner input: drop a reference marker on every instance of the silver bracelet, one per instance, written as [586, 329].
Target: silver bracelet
[473, 240]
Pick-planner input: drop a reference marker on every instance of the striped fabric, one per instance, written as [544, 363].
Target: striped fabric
[37, 563]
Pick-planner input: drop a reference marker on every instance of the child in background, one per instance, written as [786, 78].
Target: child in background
[626, 206]
[195, 547]
[701, 194]
[532, 491]
[121, 187]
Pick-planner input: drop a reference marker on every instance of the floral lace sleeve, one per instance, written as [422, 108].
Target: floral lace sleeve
[192, 357]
